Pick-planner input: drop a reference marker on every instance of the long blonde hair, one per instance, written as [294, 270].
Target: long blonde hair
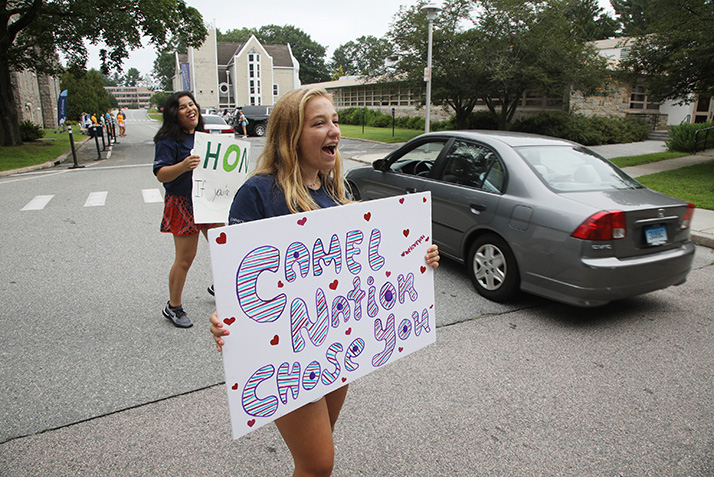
[280, 155]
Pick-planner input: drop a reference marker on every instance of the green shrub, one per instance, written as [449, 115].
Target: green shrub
[481, 120]
[588, 130]
[382, 121]
[681, 137]
[30, 131]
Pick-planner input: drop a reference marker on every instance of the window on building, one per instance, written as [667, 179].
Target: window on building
[640, 100]
[275, 90]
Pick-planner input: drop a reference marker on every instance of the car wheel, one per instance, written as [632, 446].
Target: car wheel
[492, 268]
[259, 130]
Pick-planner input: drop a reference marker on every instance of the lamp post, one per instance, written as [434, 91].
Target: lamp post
[431, 11]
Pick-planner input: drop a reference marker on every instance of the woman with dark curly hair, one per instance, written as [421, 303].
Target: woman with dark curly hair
[173, 166]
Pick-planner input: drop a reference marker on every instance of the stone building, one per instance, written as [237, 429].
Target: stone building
[226, 75]
[36, 98]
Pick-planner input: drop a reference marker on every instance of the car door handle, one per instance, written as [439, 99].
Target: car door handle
[410, 190]
[477, 208]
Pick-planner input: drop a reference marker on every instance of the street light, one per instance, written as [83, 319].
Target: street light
[431, 11]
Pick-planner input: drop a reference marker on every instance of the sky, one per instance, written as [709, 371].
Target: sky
[329, 23]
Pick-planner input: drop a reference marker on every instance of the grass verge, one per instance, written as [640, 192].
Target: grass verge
[379, 134]
[628, 161]
[694, 184]
[36, 152]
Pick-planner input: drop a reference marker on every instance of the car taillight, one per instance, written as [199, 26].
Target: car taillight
[605, 225]
[687, 221]
[227, 131]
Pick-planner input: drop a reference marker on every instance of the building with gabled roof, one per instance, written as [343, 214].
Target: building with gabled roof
[224, 75]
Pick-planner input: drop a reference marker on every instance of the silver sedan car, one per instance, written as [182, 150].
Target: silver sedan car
[538, 214]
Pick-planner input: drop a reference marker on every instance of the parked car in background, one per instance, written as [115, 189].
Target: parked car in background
[538, 214]
[257, 117]
[215, 124]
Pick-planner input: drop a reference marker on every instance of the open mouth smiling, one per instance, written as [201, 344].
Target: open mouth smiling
[330, 149]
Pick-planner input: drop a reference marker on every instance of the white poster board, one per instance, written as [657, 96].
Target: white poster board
[223, 169]
[316, 300]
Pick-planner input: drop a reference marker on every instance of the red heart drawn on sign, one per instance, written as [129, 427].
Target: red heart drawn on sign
[368, 216]
[401, 349]
[344, 379]
[280, 284]
[388, 273]
[251, 423]
[302, 221]
[422, 269]
[401, 201]
[405, 232]
[221, 239]
[333, 285]
[275, 340]
[424, 199]
[348, 331]
[229, 321]
[235, 386]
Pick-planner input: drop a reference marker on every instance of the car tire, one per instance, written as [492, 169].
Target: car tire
[492, 268]
[259, 130]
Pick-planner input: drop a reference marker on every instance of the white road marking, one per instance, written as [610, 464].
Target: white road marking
[96, 199]
[38, 202]
[152, 195]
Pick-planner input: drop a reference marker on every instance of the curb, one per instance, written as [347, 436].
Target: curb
[703, 239]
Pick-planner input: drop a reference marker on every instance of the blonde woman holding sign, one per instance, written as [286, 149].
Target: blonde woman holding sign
[300, 169]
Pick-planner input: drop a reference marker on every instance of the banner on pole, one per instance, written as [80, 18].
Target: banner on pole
[315, 300]
[223, 169]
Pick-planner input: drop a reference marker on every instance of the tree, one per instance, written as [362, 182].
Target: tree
[675, 53]
[33, 31]
[589, 20]
[363, 56]
[85, 92]
[495, 53]
[634, 15]
[309, 53]
[159, 99]
[132, 77]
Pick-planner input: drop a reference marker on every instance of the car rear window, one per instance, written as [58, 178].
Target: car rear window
[213, 120]
[566, 168]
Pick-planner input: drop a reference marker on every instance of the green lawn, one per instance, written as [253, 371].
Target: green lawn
[694, 184]
[379, 134]
[628, 161]
[37, 152]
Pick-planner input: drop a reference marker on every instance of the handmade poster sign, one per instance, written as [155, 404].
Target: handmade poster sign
[316, 300]
[223, 169]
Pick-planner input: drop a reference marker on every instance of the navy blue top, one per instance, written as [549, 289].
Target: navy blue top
[168, 152]
[261, 197]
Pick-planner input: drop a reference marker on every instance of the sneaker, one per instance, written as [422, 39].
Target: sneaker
[177, 316]
[211, 291]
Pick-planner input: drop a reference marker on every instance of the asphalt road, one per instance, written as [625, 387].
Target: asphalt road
[96, 381]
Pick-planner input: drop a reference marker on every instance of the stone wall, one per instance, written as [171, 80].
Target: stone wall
[36, 98]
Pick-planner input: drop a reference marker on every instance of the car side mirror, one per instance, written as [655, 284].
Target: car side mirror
[380, 165]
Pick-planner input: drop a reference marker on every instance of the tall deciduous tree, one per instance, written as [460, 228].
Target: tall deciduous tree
[495, 53]
[32, 32]
[676, 53]
[364, 56]
[634, 15]
[85, 92]
[309, 53]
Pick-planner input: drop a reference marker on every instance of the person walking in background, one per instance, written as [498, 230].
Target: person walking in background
[173, 166]
[242, 121]
[300, 169]
[121, 124]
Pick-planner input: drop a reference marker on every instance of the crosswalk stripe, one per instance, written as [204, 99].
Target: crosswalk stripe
[38, 202]
[151, 195]
[96, 199]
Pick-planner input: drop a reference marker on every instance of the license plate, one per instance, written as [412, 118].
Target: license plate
[215, 131]
[656, 235]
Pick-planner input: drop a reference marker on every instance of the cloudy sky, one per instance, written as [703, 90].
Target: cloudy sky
[329, 23]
